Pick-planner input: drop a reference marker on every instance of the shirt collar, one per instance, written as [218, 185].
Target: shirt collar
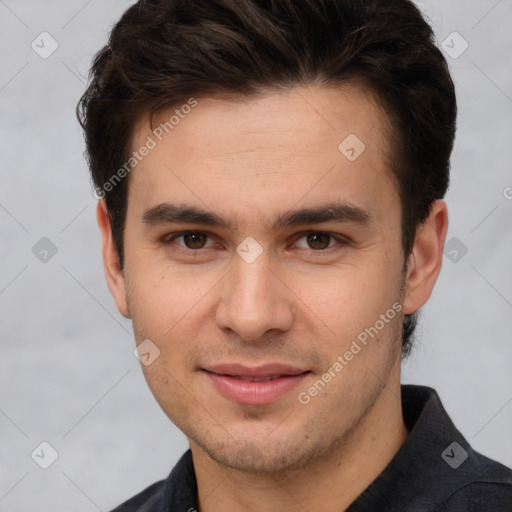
[434, 462]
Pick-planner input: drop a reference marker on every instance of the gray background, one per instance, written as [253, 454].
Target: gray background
[67, 372]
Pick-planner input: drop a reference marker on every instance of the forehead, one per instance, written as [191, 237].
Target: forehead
[266, 151]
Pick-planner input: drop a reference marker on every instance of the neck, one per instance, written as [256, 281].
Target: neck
[331, 483]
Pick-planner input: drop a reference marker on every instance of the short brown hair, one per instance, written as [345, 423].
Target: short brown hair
[162, 52]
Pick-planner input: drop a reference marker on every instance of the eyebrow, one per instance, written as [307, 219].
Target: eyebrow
[167, 213]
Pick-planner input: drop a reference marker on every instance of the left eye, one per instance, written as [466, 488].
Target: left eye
[192, 240]
[318, 241]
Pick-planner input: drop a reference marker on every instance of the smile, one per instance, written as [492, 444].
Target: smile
[254, 386]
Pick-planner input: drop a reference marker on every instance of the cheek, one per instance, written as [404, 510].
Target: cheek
[173, 310]
[344, 300]
[164, 297]
[170, 389]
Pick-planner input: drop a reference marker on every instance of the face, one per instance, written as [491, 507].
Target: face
[264, 262]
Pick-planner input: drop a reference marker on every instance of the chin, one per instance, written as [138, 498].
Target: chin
[262, 456]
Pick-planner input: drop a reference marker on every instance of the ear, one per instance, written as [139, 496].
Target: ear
[424, 262]
[113, 271]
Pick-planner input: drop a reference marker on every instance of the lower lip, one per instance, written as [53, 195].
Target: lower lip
[255, 393]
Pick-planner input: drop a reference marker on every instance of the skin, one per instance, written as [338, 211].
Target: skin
[249, 162]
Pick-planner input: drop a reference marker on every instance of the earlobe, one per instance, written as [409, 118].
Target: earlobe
[113, 271]
[424, 262]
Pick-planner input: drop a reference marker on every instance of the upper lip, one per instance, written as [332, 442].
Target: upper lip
[254, 371]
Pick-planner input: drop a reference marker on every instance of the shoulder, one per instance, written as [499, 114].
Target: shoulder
[145, 501]
[489, 488]
[177, 492]
[480, 497]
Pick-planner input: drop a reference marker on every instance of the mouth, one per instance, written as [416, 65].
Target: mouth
[256, 379]
[254, 385]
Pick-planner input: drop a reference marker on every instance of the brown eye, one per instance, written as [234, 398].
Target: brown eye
[194, 240]
[318, 241]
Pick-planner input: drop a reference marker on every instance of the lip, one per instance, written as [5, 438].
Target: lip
[228, 380]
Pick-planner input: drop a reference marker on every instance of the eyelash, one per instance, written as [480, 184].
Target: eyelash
[170, 238]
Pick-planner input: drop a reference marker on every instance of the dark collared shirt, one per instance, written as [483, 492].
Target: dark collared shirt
[434, 471]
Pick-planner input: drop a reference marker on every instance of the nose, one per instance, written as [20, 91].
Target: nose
[254, 301]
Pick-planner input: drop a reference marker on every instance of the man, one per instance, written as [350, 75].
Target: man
[270, 177]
